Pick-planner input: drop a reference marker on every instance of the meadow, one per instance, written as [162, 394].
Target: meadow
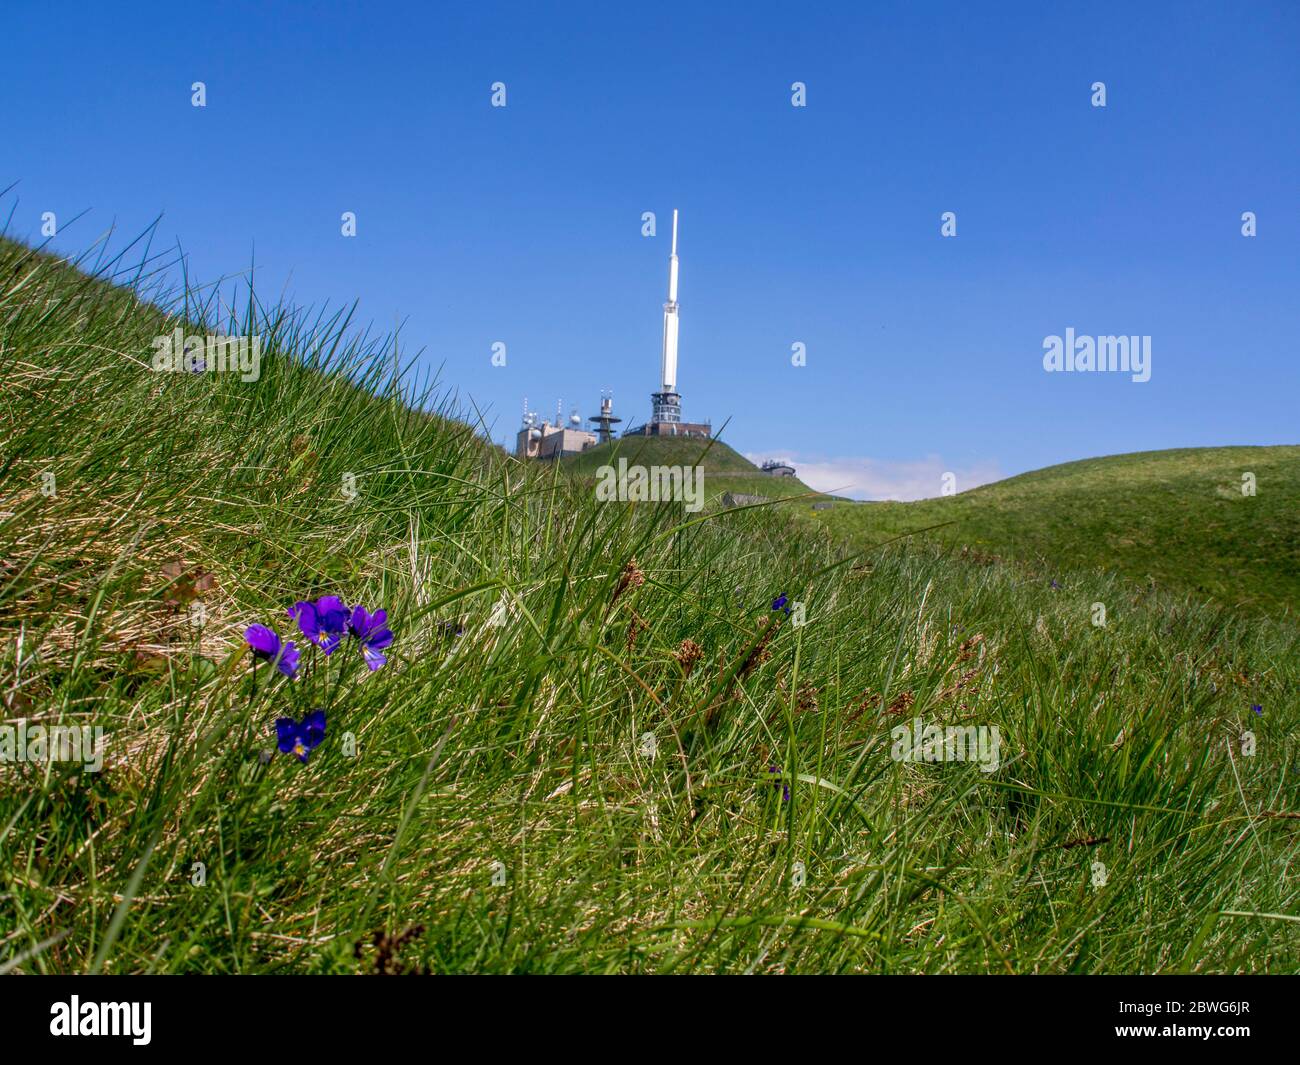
[1222, 523]
[594, 745]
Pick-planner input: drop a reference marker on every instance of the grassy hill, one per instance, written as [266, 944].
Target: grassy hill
[594, 747]
[1177, 517]
[725, 470]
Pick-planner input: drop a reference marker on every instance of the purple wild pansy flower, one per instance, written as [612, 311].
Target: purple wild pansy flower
[267, 645]
[323, 622]
[785, 788]
[781, 603]
[372, 632]
[1257, 708]
[300, 737]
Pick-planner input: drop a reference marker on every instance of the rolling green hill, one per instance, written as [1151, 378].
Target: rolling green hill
[725, 470]
[1177, 517]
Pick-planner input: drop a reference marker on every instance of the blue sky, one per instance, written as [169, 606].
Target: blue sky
[818, 224]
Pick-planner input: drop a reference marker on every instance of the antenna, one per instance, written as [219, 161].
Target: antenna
[666, 411]
[605, 420]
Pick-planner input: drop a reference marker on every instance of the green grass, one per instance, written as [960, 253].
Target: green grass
[725, 470]
[715, 456]
[1178, 518]
[520, 744]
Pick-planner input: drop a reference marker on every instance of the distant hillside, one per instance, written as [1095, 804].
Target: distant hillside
[1178, 517]
[725, 469]
[714, 455]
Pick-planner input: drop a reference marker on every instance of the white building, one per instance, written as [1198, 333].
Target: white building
[544, 440]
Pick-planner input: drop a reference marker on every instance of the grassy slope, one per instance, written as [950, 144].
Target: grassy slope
[520, 744]
[1176, 517]
[725, 470]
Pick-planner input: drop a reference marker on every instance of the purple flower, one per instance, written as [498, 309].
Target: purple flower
[780, 603]
[1257, 708]
[266, 645]
[1054, 584]
[785, 788]
[301, 737]
[322, 622]
[373, 634]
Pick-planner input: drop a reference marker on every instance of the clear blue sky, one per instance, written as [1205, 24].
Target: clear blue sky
[819, 224]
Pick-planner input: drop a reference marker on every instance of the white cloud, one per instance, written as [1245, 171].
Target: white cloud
[878, 479]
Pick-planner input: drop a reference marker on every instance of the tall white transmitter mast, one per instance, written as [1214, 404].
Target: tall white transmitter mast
[667, 403]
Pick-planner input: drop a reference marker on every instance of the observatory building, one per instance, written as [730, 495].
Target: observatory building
[666, 404]
[544, 440]
[553, 440]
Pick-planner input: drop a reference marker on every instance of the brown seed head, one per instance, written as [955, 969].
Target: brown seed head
[687, 655]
